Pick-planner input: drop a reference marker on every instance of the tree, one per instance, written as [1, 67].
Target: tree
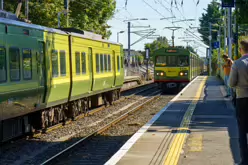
[89, 15]
[93, 15]
[191, 49]
[160, 42]
[213, 15]
[242, 12]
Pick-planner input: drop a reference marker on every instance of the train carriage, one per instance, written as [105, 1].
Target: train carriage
[49, 75]
[175, 67]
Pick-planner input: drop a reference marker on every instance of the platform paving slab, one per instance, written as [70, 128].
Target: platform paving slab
[214, 138]
[152, 146]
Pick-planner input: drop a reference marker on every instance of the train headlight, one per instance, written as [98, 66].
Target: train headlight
[186, 74]
[181, 73]
[162, 74]
[157, 74]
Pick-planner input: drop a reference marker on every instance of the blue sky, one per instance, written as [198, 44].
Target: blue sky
[143, 9]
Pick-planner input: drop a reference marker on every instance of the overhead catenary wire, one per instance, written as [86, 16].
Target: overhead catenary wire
[177, 9]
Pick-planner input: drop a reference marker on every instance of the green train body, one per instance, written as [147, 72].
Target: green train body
[175, 67]
[48, 75]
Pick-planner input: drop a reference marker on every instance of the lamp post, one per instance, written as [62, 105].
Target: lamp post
[118, 35]
[129, 32]
[173, 29]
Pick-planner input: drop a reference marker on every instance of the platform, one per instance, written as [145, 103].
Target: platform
[132, 78]
[197, 127]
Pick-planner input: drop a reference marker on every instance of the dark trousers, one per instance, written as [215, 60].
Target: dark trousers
[242, 118]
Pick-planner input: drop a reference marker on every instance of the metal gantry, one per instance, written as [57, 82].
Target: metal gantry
[142, 33]
[173, 36]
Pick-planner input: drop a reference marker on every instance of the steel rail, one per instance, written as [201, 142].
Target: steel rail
[99, 131]
[91, 112]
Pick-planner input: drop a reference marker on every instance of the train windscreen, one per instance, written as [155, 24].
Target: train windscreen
[172, 61]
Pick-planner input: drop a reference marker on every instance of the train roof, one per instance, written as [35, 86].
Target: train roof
[65, 31]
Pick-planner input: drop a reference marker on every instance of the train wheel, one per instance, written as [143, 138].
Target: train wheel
[86, 106]
[105, 98]
[44, 121]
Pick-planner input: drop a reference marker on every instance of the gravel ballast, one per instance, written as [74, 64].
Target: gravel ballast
[37, 150]
[100, 148]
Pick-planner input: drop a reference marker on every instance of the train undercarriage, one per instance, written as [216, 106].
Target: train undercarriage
[43, 119]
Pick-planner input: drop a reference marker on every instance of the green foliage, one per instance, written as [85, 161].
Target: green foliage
[160, 42]
[89, 15]
[141, 59]
[213, 14]
[191, 49]
[93, 15]
[242, 12]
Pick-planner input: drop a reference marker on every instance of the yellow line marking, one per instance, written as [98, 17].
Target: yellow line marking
[175, 149]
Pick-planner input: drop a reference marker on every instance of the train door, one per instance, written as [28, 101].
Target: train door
[114, 66]
[90, 67]
[41, 61]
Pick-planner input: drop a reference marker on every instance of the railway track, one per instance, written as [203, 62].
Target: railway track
[63, 153]
[22, 151]
[127, 93]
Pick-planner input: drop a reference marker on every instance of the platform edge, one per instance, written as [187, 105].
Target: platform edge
[124, 149]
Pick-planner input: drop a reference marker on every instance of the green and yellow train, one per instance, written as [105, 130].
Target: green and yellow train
[49, 75]
[174, 67]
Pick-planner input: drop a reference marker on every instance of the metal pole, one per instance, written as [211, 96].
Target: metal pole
[210, 49]
[67, 14]
[2, 4]
[229, 33]
[129, 42]
[59, 19]
[147, 61]
[225, 32]
[219, 49]
[117, 37]
[27, 9]
[173, 38]
[237, 36]
[147, 77]
[235, 32]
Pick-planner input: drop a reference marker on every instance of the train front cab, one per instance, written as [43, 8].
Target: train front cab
[172, 72]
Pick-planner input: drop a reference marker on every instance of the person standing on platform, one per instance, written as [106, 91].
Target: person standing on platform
[227, 68]
[239, 81]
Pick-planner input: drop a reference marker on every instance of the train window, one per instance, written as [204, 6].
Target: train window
[183, 60]
[97, 63]
[14, 60]
[161, 61]
[62, 63]
[109, 63]
[83, 58]
[83, 61]
[55, 71]
[27, 64]
[105, 62]
[3, 69]
[77, 60]
[118, 63]
[101, 62]
[171, 60]
[121, 62]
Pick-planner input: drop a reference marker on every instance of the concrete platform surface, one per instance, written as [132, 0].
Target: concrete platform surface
[198, 127]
